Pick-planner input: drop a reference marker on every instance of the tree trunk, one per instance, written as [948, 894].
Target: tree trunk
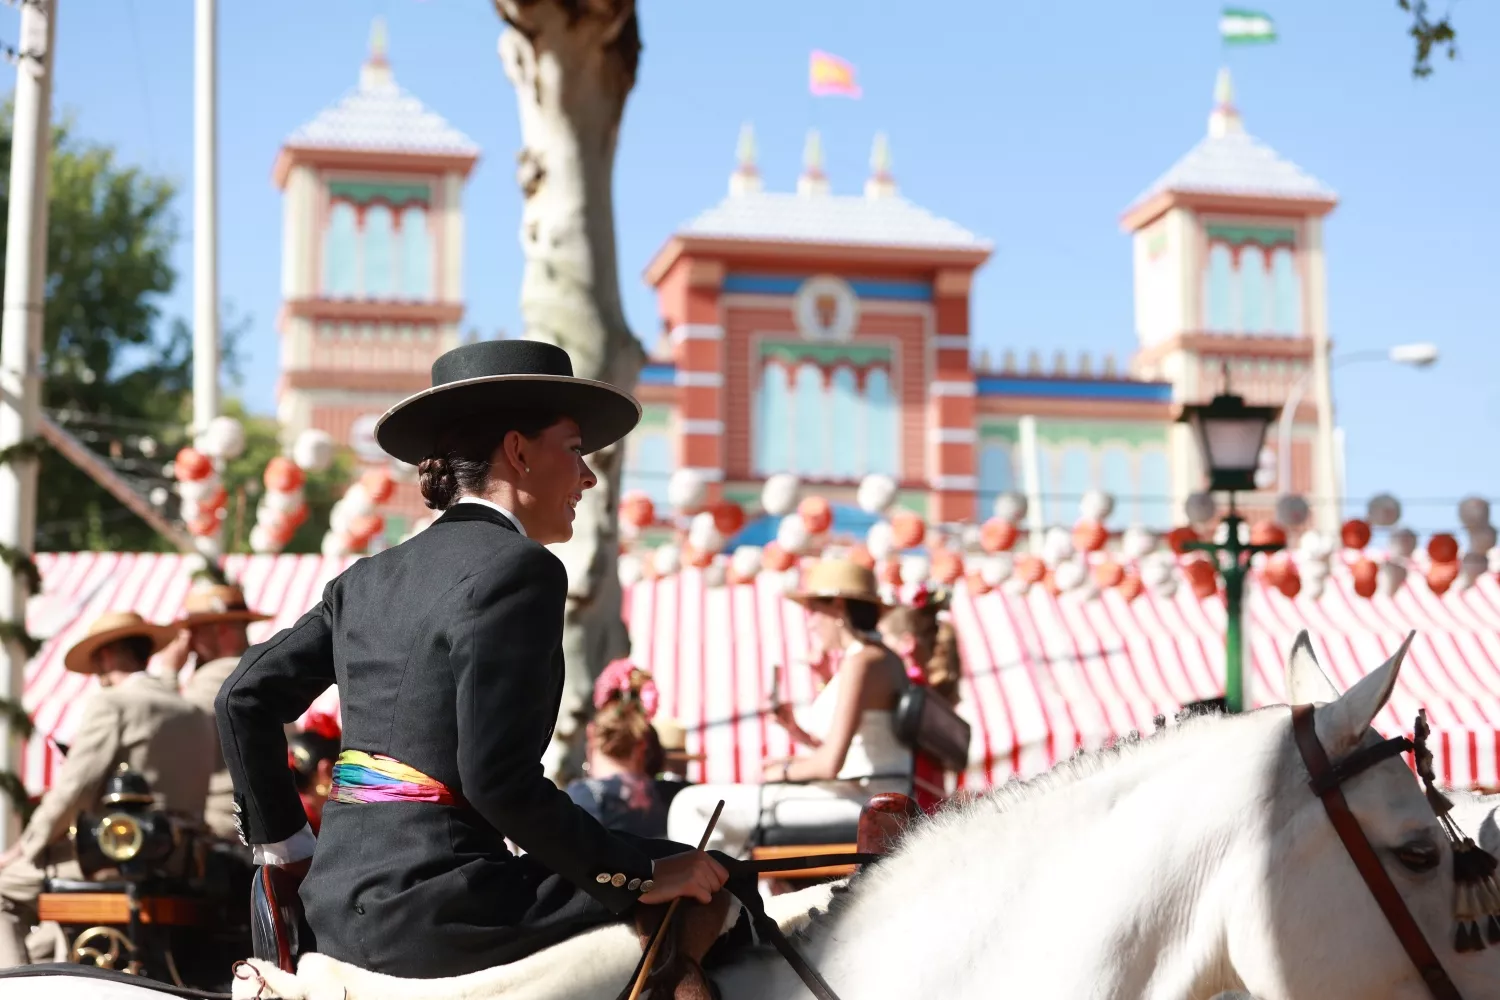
[573, 64]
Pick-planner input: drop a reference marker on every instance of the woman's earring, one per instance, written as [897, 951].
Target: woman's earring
[526, 469]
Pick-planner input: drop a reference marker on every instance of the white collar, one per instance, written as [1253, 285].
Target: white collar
[513, 519]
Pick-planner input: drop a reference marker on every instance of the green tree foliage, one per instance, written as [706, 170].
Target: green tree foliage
[1428, 35]
[111, 370]
[118, 373]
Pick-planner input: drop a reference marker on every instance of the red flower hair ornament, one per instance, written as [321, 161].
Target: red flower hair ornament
[622, 680]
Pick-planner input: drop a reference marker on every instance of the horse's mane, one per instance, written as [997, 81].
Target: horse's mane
[1016, 794]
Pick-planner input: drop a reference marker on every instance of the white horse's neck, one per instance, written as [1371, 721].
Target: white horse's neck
[1104, 878]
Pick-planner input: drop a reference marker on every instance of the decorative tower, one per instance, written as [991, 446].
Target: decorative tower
[372, 254]
[1229, 275]
[821, 334]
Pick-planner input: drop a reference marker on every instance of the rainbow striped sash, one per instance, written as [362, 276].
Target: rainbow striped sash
[366, 777]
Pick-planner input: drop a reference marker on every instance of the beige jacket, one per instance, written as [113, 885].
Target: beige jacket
[202, 688]
[145, 723]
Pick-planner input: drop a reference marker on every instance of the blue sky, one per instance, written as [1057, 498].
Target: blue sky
[1032, 126]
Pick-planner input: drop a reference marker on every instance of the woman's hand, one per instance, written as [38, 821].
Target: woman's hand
[776, 769]
[783, 715]
[691, 873]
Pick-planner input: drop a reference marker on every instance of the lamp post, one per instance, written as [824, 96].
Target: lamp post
[1230, 436]
[1415, 355]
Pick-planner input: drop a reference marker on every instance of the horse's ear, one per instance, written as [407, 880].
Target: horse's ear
[1342, 723]
[1306, 684]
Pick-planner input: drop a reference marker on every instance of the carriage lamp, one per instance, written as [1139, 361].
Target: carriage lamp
[131, 835]
[1230, 436]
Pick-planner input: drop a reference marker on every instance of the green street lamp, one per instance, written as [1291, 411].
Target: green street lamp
[1230, 436]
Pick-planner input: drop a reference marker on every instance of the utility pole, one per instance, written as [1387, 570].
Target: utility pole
[205, 218]
[21, 342]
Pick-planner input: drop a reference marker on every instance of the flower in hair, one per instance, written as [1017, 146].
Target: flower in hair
[920, 598]
[622, 680]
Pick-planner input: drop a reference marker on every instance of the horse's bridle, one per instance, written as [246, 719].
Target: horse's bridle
[1326, 779]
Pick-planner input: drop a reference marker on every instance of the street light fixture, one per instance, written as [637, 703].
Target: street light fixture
[1421, 355]
[1230, 435]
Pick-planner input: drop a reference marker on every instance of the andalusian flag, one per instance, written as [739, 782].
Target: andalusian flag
[1246, 27]
[830, 76]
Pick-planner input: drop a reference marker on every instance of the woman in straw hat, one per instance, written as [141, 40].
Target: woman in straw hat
[133, 718]
[447, 651]
[848, 729]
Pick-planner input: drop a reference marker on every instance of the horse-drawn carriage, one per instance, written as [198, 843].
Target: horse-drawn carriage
[938, 739]
[160, 897]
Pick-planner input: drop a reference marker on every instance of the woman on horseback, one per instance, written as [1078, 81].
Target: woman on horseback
[447, 651]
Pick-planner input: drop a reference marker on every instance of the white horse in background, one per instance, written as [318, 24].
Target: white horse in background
[1189, 864]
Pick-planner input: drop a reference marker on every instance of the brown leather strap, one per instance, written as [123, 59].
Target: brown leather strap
[1365, 860]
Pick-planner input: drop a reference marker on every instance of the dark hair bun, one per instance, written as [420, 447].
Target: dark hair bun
[438, 483]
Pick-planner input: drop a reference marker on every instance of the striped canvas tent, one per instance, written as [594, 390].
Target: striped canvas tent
[1044, 675]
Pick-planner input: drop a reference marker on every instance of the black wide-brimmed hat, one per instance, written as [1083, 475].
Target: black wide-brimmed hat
[487, 379]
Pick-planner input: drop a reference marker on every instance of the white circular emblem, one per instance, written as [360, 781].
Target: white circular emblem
[362, 439]
[826, 308]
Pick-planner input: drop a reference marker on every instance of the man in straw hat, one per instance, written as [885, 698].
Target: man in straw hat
[132, 718]
[216, 617]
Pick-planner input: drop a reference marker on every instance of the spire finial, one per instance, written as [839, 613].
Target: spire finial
[812, 153]
[1224, 88]
[746, 178]
[1225, 118]
[376, 72]
[745, 151]
[881, 184]
[377, 39]
[812, 181]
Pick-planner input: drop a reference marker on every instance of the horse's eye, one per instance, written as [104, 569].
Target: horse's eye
[1419, 855]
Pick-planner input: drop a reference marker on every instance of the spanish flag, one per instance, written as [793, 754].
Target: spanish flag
[830, 76]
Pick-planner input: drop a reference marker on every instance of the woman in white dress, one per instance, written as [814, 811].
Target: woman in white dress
[848, 731]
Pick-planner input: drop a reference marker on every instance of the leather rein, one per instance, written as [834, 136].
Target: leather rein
[1327, 777]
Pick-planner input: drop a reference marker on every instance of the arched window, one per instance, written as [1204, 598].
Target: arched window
[1155, 488]
[1115, 478]
[1218, 292]
[773, 439]
[844, 420]
[1075, 475]
[882, 426]
[650, 467]
[380, 269]
[416, 255]
[810, 437]
[341, 252]
[997, 472]
[1286, 292]
[1255, 293]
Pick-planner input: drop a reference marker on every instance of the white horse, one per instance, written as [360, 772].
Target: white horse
[1181, 866]
[1476, 815]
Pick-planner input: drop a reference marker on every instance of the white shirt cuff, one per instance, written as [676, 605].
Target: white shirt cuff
[298, 847]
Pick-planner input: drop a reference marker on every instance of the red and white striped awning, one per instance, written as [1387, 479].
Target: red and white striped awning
[1044, 674]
